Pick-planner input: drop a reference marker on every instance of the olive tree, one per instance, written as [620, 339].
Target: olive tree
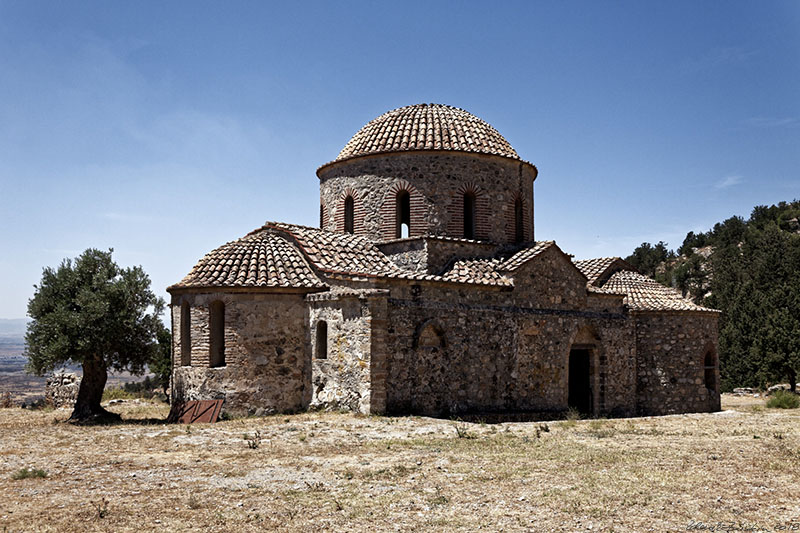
[92, 312]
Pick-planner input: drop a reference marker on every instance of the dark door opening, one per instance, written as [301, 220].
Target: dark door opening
[580, 387]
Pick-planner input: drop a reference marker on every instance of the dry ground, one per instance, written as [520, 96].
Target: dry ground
[340, 472]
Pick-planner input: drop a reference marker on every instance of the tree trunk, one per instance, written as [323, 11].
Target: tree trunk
[792, 380]
[87, 406]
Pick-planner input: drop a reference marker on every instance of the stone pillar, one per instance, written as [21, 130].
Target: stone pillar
[378, 325]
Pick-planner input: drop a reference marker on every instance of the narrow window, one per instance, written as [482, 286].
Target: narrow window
[349, 213]
[519, 230]
[710, 368]
[403, 215]
[321, 216]
[186, 335]
[217, 334]
[469, 215]
[322, 340]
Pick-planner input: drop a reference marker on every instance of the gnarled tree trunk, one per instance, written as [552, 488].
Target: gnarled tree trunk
[87, 406]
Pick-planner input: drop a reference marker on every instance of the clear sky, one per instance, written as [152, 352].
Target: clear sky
[164, 129]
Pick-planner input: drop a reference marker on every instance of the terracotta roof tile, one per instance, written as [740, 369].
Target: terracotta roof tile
[427, 127]
[351, 255]
[645, 294]
[598, 268]
[483, 271]
[259, 259]
[524, 255]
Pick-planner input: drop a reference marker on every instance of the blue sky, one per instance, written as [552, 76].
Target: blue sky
[164, 129]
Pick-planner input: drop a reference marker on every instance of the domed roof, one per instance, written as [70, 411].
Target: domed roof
[427, 127]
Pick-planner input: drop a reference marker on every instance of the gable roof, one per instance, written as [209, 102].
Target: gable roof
[646, 294]
[598, 269]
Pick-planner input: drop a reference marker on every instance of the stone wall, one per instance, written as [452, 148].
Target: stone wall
[671, 349]
[340, 374]
[267, 352]
[437, 182]
[61, 389]
[433, 254]
[502, 350]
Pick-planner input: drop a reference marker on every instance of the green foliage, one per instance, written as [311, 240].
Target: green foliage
[646, 257]
[782, 399]
[160, 363]
[90, 309]
[26, 473]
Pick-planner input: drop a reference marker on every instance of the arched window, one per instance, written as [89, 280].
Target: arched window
[216, 319]
[186, 335]
[710, 368]
[403, 203]
[469, 215]
[321, 351]
[519, 229]
[349, 214]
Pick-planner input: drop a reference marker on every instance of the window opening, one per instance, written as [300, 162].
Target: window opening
[403, 215]
[349, 213]
[469, 215]
[322, 340]
[186, 335]
[217, 334]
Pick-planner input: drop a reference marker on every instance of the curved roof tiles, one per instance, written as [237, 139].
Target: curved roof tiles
[259, 259]
[427, 127]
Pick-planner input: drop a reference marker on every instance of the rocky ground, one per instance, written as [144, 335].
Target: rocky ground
[340, 472]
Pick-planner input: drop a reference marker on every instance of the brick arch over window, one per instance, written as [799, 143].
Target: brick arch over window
[481, 211]
[389, 211]
[429, 335]
[519, 206]
[358, 212]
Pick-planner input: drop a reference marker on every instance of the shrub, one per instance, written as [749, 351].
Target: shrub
[117, 393]
[462, 430]
[783, 399]
[253, 442]
[25, 473]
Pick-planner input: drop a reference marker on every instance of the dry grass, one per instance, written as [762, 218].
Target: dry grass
[339, 472]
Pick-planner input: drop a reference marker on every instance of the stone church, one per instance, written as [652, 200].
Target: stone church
[425, 291]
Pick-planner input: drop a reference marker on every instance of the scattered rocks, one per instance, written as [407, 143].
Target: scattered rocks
[61, 389]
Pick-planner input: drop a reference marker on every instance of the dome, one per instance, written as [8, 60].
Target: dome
[427, 127]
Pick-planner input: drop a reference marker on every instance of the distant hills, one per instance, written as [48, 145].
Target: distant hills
[13, 327]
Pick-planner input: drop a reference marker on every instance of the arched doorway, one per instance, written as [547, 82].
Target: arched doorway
[580, 381]
[586, 373]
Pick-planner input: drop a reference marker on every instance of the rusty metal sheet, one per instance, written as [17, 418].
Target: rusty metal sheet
[199, 411]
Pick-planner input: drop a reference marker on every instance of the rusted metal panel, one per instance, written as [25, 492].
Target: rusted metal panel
[199, 411]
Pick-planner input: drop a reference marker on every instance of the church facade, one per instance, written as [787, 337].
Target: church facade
[424, 291]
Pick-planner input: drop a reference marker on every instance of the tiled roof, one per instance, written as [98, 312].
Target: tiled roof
[427, 127]
[259, 259]
[594, 269]
[645, 294]
[477, 271]
[351, 255]
[524, 255]
[340, 252]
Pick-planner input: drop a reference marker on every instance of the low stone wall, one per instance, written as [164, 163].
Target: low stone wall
[62, 388]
